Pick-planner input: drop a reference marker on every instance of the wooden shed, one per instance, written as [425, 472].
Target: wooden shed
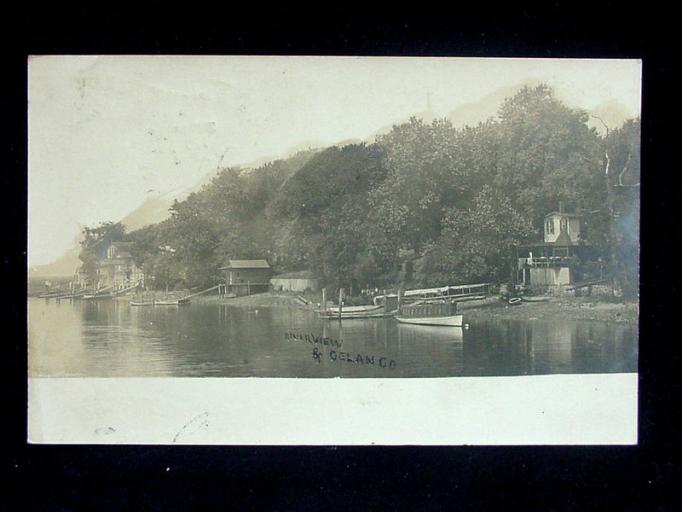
[244, 277]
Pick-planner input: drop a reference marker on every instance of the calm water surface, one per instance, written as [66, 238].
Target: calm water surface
[113, 339]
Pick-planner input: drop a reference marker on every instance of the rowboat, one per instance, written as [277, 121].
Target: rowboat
[171, 302]
[440, 321]
[348, 312]
[98, 296]
[536, 298]
[176, 302]
[141, 302]
[436, 313]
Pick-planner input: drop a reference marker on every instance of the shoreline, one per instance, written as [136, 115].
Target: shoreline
[562, 308]
[492, 308]
[567, 308]
[267, 299]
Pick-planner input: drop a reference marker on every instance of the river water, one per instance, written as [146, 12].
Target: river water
[113, 339]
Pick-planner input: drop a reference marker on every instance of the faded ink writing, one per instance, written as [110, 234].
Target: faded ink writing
[313, 339]
[359, 359]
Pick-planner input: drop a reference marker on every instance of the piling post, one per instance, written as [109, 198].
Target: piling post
[324, 299]
[400, 299]
[248, 287]
[340, 302]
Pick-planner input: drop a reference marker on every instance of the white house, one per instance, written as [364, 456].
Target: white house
[295, 282]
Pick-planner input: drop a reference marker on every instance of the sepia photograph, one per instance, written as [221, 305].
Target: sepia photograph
[395, 222]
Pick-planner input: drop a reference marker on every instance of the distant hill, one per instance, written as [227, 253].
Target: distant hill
[64, 266]
[473, 113]
[469, 114]
[156, 208]
[152, 210]
[613, 113]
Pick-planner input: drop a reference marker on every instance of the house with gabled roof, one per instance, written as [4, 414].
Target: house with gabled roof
[245, 277]
[115, 266]
[555, 261]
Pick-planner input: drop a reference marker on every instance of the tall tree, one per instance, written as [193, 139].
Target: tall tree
[548, 155]
[622, 179]
[422, 176]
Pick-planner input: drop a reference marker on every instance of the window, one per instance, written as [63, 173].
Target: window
[549, 226]
[564, 224]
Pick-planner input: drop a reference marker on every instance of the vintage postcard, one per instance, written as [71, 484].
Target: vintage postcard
[333, 250]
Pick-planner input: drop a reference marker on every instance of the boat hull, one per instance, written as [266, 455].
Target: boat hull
[349, 316]
[442, 321]
[354, 309]
[355, 312]
[181, 302]
[534, 299]
[171, 302]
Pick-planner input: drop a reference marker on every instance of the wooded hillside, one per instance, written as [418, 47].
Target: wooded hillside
[449, 202]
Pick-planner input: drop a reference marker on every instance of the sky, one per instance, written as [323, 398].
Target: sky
[105, 132]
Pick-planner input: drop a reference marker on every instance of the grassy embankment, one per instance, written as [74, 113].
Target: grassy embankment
[570, 308]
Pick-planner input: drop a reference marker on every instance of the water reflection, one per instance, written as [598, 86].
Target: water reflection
[111, 338]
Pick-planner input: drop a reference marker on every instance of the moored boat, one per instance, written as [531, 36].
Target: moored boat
[98, 296]
[435, 313]
[535, 298]
[372, 311]
[141, 302]
[438, 321]
[175, 302]
[160, 302]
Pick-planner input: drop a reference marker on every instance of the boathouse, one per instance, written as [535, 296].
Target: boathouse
[554, 262]
[245, 277]
[301, 281]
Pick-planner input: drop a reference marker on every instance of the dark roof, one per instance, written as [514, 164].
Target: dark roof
[246, 264]
[563, 239]
[301, 274]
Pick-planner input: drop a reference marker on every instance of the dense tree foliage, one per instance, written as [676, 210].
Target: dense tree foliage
[622, 174]
[476, 243]
[325, 206]
[451, 202]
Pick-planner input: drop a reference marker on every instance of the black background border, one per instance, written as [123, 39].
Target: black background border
[643, 477]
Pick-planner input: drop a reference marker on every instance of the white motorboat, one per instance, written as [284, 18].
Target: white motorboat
[430, 312]
[444, 321]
